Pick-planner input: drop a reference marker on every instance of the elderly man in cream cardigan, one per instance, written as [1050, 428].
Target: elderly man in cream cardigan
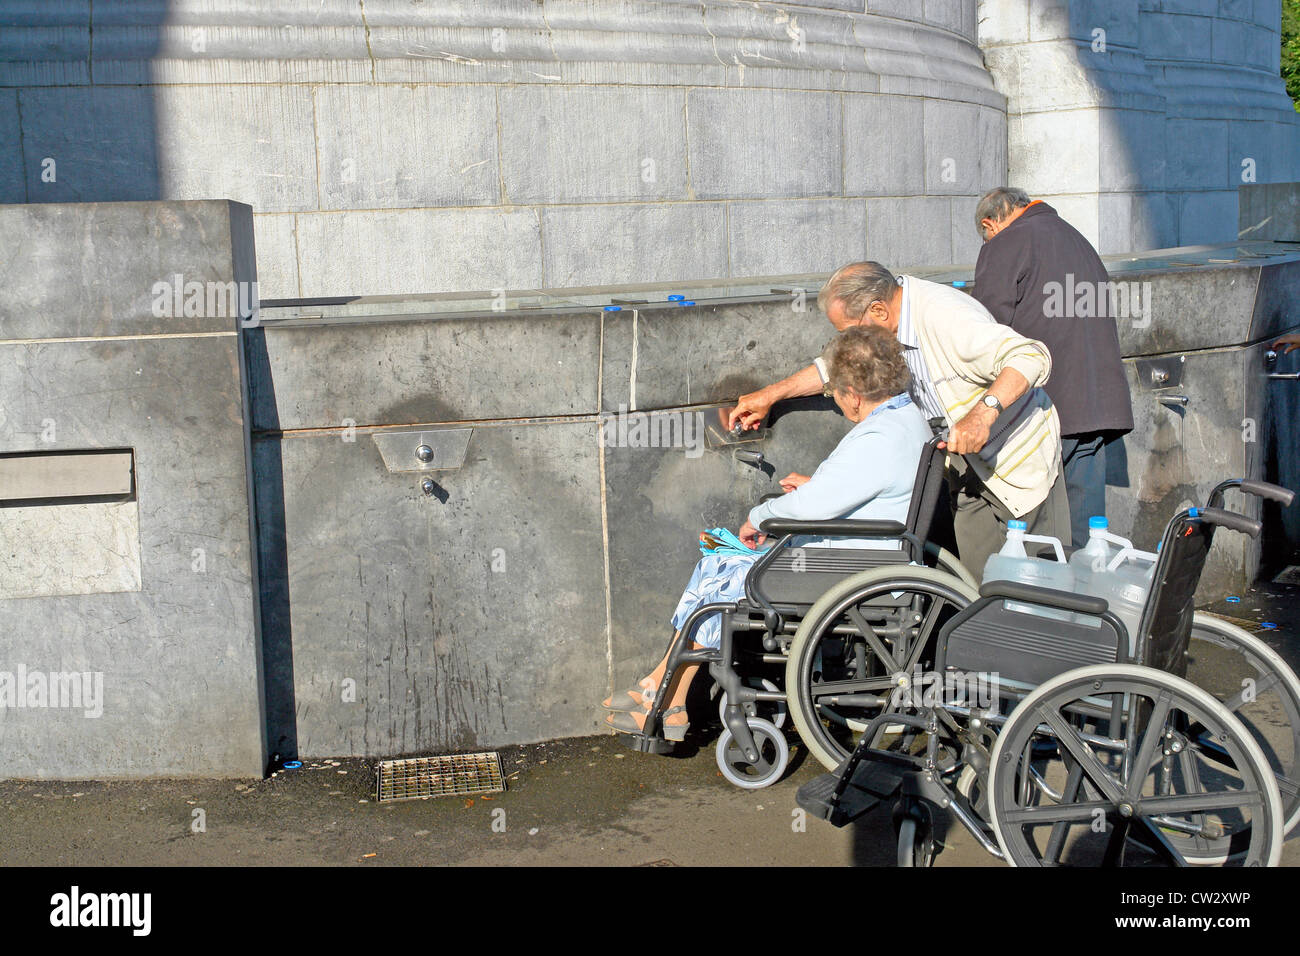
[976, 378]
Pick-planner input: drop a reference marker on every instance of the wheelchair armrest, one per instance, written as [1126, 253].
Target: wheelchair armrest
[1051, 597]
[770, 495]
[835, 527]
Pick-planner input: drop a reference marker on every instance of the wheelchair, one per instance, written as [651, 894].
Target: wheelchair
[761, 632]
[1048, 731]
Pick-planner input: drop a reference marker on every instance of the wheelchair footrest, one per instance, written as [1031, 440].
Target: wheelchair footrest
[646, 744]
[874, 781]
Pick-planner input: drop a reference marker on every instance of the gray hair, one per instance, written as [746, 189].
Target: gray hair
[997, 204]
[868, 360]
[858, 285]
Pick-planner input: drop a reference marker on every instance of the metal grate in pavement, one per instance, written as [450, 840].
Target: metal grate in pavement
[445, 776]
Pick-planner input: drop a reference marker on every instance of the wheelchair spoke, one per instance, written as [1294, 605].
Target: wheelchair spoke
[873, 641]
[1058, 813]
[1191, 803]
[1155, 732]
[833, 688]
[1099, 775]
[1261, 686]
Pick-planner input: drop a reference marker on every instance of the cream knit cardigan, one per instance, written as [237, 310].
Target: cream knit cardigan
[965, 349]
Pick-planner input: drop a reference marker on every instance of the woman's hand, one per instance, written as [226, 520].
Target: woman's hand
[750, 536]
[792, 481]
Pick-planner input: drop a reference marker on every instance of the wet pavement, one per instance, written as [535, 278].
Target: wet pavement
[585, 801]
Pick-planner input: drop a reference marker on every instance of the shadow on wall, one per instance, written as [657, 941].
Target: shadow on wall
[81, 126]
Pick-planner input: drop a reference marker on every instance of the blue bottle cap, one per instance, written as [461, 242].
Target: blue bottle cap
[293, 765]
[1016, 526]
[1098, 521]
[1268, 625]
[613, 308]
[676, 298]
[1233, 599]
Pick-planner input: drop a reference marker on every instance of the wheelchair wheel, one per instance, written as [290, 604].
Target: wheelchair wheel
[1137, 790]
[915, 831]
[773, 756]
[860, 646]
[1255, 683]
[773, 710]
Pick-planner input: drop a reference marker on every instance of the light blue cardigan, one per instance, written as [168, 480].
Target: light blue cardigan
[869, 475]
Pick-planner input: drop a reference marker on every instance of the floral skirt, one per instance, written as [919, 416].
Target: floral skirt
[717, 577]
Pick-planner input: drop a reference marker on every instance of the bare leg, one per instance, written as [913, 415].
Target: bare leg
[677, 692]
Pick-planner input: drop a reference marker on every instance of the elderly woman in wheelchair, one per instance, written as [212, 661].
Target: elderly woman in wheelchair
[869, 477]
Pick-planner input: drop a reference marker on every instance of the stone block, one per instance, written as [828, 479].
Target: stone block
[1133, 150]
[1198, 151]
[1206, 217]
[641, 243]
[411, 372]
[177, 657]
[251, 143]
[12, 187]
[777, 143]
[792, 236]
[908, 233]
[406, 146]
[966, 241]
[277, 256]
[442, 250]
[103, 142]
[954, 147]
[117, 266]
[1177, 36]
[881, 157]
[1040, 166]
[582, 145]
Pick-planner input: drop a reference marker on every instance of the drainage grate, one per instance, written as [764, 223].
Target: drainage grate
[447, 776]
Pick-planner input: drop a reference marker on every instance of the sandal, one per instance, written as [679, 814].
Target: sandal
[626, 723]
[627, 700]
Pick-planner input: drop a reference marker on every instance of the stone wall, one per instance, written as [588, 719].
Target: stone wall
[399, 146]
[145, 589]
[1139, 119]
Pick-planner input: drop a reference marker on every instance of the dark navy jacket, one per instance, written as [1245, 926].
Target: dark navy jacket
[1034, 276]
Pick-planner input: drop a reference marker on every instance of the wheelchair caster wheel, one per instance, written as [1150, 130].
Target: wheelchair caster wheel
[915, 837]
[774, 710]
[773, 756]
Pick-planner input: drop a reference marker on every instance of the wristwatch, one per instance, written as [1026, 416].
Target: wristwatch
[991, 401]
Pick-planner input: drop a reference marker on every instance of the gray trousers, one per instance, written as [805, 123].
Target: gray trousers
[980, 519]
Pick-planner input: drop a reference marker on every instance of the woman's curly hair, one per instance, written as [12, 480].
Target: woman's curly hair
[868, 360]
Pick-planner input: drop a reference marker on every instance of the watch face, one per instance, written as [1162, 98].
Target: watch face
[992, 402]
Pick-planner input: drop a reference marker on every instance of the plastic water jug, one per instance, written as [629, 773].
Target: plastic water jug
[1094, 557]
[1125, 586]
[1013, 564]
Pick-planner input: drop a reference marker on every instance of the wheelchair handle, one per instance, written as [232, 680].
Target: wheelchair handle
[1228, 519]
[1265, 490]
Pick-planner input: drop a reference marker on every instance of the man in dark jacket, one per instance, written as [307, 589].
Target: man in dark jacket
[1039, 275]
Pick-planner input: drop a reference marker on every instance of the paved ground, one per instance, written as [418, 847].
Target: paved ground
[583, 801]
